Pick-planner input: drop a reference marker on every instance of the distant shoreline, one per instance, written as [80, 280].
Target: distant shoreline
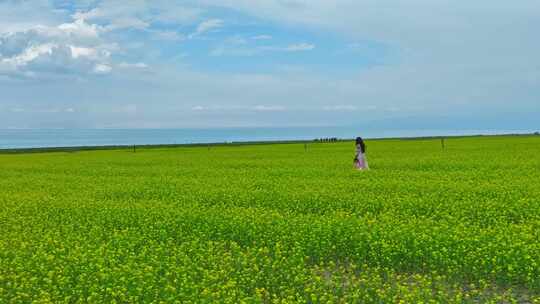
[237, 143]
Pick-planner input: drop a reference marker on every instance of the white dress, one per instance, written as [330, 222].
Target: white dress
[361, 162]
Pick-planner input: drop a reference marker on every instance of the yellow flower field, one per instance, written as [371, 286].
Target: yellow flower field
[274, 224]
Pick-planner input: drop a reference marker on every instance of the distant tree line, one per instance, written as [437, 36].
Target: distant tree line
[327, 139]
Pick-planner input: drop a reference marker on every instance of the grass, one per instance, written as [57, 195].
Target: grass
[274, 223]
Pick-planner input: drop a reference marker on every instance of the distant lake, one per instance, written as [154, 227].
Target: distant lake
[34, 138]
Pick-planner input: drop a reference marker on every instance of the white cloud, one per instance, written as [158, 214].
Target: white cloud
[340, 108]
[297, 47]
[237, 46]
[69, 47]
[300, 47]
[237, 39]
[77, 51]
[79, 28]
[17, 110]
[112, 15]
[75, 48]
[29, 54]
[83, 46]
[167, 35]
[226, 50]
[266, 108]
[127, 23]
[139, 15]
[262, 37]
[89, 15]
[218, 108]
[102, 69]
[198, 108]
[138, 65]
[207, 26]
[23, 15]
[239, 108]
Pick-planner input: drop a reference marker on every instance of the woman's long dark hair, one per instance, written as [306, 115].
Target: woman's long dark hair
[360, 141]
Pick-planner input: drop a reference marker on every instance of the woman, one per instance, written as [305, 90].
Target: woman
[360, 161]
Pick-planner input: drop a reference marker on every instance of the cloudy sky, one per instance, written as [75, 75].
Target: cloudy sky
[424, 64]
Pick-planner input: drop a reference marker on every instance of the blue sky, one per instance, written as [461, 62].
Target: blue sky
[224, 63]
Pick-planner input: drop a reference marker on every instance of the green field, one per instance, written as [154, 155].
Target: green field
[274, 224]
